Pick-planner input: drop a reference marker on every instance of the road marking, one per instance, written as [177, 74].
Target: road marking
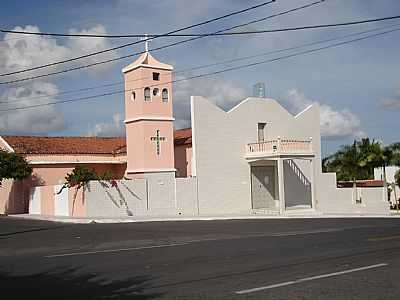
[280, 234]
[268, 287]
[384, 238]
[115, 250]
[259, 235]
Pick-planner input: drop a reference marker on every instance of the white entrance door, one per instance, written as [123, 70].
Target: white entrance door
[34, 201]
[263, 187]
[61, 204]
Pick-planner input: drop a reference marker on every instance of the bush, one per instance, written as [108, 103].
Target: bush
[13, 166]
[80, 177]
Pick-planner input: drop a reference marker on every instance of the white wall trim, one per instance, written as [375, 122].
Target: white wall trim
[239, 104]
[192, 116]
[76, 162]
[131, 68]
[247, 100]
[9, 148]
[150, 170]
[149, 118]
[303, 111]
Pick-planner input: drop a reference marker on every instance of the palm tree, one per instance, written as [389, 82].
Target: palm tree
[383, 156]
[348, 163]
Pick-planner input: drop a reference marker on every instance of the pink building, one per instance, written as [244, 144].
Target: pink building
[151, 144]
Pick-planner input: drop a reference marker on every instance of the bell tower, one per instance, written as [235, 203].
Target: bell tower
[148, 117]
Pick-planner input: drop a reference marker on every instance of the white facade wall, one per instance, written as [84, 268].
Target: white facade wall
[223, 173]
[219, 142]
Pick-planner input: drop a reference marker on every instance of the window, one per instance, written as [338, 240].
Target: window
[156, 91]
[133, 96]
[147, 94]
[261, 132]
[156, 76]
[165, 95]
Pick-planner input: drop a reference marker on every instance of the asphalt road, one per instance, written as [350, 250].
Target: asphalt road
[238, 259]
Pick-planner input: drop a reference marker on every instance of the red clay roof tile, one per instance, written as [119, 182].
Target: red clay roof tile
[80, 145]
[66, 145]
[183, 136]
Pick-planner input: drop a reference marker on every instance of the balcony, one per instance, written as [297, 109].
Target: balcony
[280, 147]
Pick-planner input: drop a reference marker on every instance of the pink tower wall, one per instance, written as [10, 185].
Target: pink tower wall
[144, 118]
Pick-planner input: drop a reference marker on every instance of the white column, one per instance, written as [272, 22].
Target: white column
[281, 182]
[312, 178]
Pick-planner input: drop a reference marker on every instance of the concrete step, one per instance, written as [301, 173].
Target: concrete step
[269, 212]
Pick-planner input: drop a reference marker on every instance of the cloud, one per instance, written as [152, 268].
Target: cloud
[30, 51]
[222, 92]
[114, 128]
[391, 102]
[335, 124]
[30, 121]
[81, 46]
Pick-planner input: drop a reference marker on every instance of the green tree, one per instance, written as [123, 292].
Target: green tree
[347, 163]
[13, 166]
[357, 161]
[395, 158]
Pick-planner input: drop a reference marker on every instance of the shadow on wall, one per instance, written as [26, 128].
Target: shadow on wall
[122, 200]
[73, 284]
[18, 197]
[17, 193]
[297, 186]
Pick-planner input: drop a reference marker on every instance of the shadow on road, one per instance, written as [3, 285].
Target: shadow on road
[73, 284]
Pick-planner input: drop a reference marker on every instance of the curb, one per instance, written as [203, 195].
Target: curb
[101, 220]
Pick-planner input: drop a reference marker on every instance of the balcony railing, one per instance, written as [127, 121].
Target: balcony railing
[280, 147]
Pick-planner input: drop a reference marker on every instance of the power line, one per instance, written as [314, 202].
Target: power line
[206, 74]
[207, 65]
[133, 35]
[141, 41]
[141, 52]
[231, 33]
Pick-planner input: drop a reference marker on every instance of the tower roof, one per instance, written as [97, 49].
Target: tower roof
[146, 60]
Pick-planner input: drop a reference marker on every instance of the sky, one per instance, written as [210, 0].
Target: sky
[356, 85]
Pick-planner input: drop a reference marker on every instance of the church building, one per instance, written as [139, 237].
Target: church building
[256, 158]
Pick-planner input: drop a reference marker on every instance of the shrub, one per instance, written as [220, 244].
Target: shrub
[13, 166]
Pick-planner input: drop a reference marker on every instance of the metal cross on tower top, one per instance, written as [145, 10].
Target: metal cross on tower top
[146, 42]
[158, 139]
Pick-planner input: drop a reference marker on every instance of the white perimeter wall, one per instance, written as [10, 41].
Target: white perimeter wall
[154, 196]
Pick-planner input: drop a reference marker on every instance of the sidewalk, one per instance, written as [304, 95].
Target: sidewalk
[135, 219]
